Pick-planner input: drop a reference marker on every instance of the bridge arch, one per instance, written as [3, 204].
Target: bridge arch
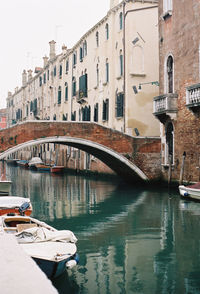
[116, 161]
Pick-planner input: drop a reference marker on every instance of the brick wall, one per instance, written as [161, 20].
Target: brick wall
[179, 36]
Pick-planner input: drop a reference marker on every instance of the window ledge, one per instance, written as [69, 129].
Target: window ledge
[138, 74]
[119, 77]
[95, 87]
[105, 83]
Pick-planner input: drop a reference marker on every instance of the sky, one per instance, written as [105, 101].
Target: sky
[27, 26]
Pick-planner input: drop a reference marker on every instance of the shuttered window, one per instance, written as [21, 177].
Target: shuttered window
[119, 105]
[83, 86]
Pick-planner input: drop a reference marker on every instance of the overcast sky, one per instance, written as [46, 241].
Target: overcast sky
[27, 26]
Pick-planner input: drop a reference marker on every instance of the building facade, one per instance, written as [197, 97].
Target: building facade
[178, 105]
[99, 79]
[3, 118]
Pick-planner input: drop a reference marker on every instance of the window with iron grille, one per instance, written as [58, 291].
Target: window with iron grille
[119, 108]
[73, 116]
[86, 113]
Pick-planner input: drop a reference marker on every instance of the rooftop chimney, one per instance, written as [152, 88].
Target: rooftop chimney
[113, 3]
[64, 49]
[45, 61]
[29, 74]
[52, 53]
[24, 78]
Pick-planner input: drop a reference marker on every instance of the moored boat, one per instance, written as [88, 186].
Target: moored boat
[23, 163]
[57, 169]
[35, 160]
[192, 191]
[51, 249]
[5, 187]
[42, 167]
[15, 205]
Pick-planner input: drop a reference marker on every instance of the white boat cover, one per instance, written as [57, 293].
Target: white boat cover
[35, 160]
[12, 201]
[41, 234]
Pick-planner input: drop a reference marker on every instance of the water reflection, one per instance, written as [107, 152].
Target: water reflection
[130, 240]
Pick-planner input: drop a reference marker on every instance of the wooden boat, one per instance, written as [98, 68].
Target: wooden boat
[42, 167]
[52, 250]
[23, 163]
[57, 169]
[5, 187]
[35, 160]
[15, 205]
[192, 191]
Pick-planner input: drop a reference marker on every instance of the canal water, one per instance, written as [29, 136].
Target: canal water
[130, 240]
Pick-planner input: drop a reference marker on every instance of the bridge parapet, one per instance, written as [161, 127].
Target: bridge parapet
[141, 152]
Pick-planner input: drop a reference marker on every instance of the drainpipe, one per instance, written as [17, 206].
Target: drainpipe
[125, 13]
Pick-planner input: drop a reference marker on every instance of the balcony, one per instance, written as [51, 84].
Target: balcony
[165, 106]
[193, 98]
[81, 96]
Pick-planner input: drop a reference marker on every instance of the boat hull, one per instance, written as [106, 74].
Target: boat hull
[57, 169]
[53, 269]
[5, 187]
[188, 192]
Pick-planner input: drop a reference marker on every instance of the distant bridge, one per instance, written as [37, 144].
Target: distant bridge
[133, 158]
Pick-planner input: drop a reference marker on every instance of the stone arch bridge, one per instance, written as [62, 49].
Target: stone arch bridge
[133, 158]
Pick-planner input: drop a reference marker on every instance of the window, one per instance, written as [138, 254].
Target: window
[81, 54]
[119, 105]
[97, 74]
[40, 81]
[54, 71]
[44, 78]
[67, 66]
[107, 71]
[169, 150]
[83, 86]
[73, 86]
[73, 116]
[121, 64]
[85, 48]
[167, 6]
[96, 112]
[60, 71]
[66, 91]
[54, 117]
[86, 113]
[59, 95]
[97, 39]
[170, 78]
[107, 31]
[105, 110]
[120, 21]
[48, 75]
[74, 59]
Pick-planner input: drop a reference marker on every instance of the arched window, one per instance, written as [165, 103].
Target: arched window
[170, 77]
[169, 134]
[97, 74]
[120, 21]
[66, 91]
[107, 31]
[59, 95]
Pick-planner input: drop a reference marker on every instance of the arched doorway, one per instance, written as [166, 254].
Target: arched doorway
[169, 135]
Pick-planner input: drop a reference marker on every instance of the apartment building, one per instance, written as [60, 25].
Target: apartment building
[178, 105]
[109, 76]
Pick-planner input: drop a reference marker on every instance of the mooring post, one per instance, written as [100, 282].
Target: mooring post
[182, 168]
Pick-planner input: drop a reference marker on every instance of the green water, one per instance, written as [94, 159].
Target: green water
[130, 240]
